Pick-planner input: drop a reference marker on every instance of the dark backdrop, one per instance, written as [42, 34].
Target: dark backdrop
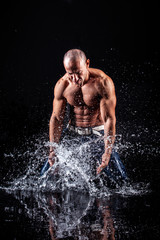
[121, 38]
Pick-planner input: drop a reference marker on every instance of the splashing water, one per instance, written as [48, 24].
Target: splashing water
[72, 171]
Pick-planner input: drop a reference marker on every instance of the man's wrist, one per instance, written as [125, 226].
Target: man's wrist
[105, 159]
[104, 164]
[51, 146]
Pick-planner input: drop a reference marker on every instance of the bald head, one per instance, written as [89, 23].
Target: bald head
[74, 55]
[77, 66]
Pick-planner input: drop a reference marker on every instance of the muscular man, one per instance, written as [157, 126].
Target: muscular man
[91, 95]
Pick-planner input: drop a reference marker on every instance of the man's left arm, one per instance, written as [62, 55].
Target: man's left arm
[107, 109]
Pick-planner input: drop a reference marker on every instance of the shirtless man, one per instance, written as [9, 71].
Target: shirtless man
[91, 94]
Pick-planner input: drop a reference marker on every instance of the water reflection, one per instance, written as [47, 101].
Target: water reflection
[76, 214]
[69, 214]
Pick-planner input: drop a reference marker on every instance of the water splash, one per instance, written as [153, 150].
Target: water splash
[72, 170]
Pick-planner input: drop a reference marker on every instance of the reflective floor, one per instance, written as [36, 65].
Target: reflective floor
[76, 215]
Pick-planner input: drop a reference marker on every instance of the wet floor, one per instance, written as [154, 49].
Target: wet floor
[75, 215]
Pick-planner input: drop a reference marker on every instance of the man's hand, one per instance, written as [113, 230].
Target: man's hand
[105, 161]
[51, 158]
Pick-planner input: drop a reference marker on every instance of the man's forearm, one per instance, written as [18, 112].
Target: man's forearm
[109, 137]
[55, 130]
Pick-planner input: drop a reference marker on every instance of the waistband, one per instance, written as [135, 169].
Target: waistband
[86, 130]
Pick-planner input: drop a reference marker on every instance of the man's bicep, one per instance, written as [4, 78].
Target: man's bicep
[111, 102]
[59, 102]
[107, 108]
[59, 108]
[108, 101]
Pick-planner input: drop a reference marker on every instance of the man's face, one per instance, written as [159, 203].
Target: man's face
[77, 71]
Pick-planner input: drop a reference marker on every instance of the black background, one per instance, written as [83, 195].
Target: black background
[118, 37]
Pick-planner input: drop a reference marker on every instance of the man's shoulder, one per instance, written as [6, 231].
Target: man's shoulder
[60, 86]
[62, 83]
[103, 83]
[100, 76]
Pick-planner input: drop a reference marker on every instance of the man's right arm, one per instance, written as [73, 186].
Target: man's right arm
[57, 117]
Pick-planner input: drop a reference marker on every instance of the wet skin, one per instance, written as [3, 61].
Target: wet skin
[91, 94]
[85, 102]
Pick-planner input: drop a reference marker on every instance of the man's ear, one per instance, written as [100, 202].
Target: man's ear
[88, 62]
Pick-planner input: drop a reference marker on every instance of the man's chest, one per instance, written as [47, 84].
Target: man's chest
[79, 96]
